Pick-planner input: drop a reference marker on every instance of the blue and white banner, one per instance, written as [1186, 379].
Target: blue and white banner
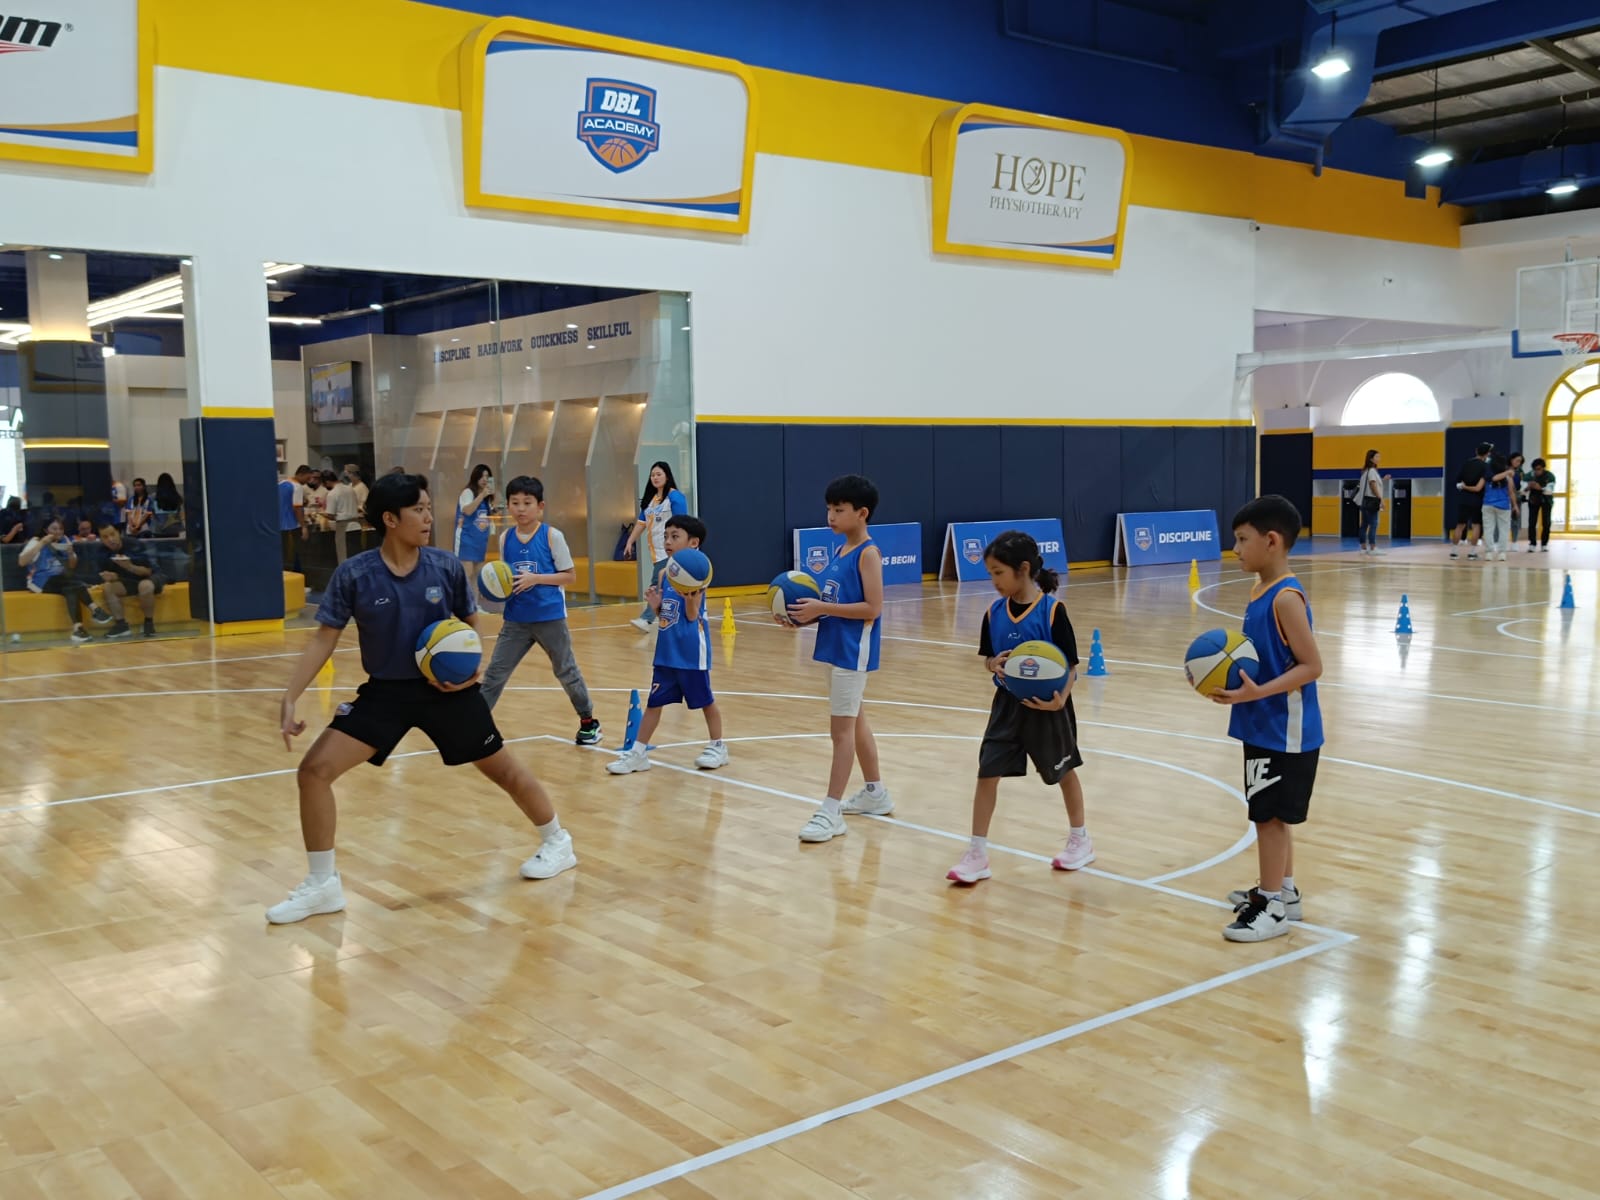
[1149, 539]
[570, 123]
[900, 545]
[964, 545]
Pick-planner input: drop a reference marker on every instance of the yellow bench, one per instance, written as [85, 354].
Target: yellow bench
[31, 612]
[610, 578]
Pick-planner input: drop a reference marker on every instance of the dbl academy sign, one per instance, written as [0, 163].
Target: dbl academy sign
[1017, 185]
[1147, 539]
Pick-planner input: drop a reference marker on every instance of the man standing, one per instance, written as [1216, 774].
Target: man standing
[1474, 477]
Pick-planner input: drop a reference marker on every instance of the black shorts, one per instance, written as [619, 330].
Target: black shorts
[1468, 513]
[1017, 733]
[1278, 785]
[385, 710]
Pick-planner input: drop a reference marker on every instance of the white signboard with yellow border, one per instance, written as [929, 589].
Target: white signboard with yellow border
[75, 83]
[1009, 184]
[579, 124]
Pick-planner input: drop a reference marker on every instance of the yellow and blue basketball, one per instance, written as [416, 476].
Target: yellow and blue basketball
[495, 580]
[1036, 671]
[1218, 659]
[688, 571]
[449, 651]
[787, 589]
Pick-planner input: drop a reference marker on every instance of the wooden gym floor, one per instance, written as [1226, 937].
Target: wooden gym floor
[706, 1008]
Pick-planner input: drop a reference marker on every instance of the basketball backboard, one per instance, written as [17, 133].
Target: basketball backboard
[1558, 309]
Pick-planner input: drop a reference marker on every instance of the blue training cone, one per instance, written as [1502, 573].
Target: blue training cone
[1566, 594]
[635, 715]
[1403, 625]
[1097, 657]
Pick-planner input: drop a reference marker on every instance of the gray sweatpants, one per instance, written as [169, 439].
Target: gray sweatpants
[516, 639]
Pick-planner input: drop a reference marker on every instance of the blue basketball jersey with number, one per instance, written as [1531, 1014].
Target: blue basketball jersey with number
[545, 602]
[680, 642]
[1290, 722]
[1007, 632]
[851, 643]
[472, 533]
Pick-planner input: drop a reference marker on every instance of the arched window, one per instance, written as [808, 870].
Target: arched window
[1571, 449]
[1391, 399]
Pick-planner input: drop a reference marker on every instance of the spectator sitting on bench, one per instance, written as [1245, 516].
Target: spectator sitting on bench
[50, 560]
[13, 522]
[126, 568]
[86, 531]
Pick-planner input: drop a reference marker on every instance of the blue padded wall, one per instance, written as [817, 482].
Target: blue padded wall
[239, 502]
[897, 458]
[965, 468]
[740, 481]
[812, 455]
[1238, 475]
[1148, 483]
[1459, 444]
[1091, 490]
[1197, 466]
[1286, 470]
[1030, 480]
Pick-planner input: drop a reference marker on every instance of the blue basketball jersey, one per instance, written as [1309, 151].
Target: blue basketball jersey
[391, 611]
[851, 643]
[1290, 722]
[1007, 632]
[472, 533]
[680, 642]
[544, 602]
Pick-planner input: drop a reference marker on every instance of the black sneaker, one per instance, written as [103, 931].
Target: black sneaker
[1257, 919]
[588, 732]
[149, 629]
[118, 631]
[100, 615]
[1291, 900]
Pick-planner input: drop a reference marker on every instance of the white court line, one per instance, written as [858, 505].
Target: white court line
[958, 1071]
[1472, 612]
[1503, 631]
[1244, 842]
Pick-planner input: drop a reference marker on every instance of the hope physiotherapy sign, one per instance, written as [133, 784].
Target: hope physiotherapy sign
[900, 545]
[1149, 539]
[964, 545]
[1010, 184]
[579, 124]
[75, 83]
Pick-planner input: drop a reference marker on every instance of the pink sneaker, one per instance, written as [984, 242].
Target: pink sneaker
[1078, 853]
[974, 865]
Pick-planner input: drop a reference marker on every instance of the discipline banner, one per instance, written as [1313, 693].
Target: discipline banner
[579, 124]
[1149, 539]
[964, 544]
[900, 545]
[76, 83]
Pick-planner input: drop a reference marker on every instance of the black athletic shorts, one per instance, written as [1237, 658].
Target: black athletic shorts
[1278, 785]
[1017, 733]
[385, 710]
[1468, 513]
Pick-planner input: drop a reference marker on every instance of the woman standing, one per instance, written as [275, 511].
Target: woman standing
[166, 515]
[1497, 509]
[473, 508]
[1519, 495]
[1369, 494]
[661, 500]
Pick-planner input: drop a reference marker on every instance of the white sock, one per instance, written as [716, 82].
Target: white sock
[320, 864]
[831, 806]
[1081, 830]
[980, 844]
[875, 788]
[1272, 895]
[550, 829]
[717, 743]
[1288, 883]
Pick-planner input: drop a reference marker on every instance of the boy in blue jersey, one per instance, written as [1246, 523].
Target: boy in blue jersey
[683, 660]
[1276, 715]
[848, 639]
[537, 610]
[394, 593]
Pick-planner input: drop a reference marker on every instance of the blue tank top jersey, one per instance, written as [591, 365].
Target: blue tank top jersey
[1290, 722]
[546, 602]
[472, 533]
[50, 562]
[680, 642]
[286, 517]
[843, 641]
[390, 610]
[1007, 632]
[1497, 495]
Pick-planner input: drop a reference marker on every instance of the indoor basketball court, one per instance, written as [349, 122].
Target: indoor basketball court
[708, 1007]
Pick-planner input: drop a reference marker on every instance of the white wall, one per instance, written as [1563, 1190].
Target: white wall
[146, 397]
[289, 409]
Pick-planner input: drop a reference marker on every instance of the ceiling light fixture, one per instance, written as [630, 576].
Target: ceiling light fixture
[1562, 187]
[1334, 63]
[375, 307]
[1435, 155]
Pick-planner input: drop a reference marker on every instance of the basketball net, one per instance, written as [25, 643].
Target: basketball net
[1574, 344]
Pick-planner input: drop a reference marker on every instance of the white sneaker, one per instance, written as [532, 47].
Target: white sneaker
[865, 804]
[1291, 900]
[974, 865]
[80, 636]
[636, 759]
[1076, 854]
[552, 858]
[642, 625]
[309, 899]
[1257, 919]
[823, 827]
[713, 756]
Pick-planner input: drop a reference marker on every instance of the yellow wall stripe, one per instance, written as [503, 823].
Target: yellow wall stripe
[1349, 451]
[225, 410]
[410, 53]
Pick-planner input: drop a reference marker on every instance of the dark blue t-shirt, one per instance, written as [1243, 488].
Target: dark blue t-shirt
[390, 610]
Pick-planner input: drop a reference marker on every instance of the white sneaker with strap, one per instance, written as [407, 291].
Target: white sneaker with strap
[310, 898]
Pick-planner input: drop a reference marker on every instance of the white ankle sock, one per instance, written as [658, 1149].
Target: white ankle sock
[1272, 895]
[1081, 830]
[832, 805]
[320, 864]
[980, 844]
[1288, 883]
[875, 789]
[550, 829]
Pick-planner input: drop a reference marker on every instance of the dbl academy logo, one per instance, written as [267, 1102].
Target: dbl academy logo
[972, 549]
[619, 124]
[1141, 538]
[816, 559]
[20, 35]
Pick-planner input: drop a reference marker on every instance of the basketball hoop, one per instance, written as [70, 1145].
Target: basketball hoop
[1574, 344]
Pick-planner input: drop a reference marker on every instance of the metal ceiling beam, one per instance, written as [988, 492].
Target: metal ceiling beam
[1495, 114]
[1550, 50]
[1465, 89]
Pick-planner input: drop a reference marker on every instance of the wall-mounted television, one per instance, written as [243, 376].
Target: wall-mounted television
[333, 394]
